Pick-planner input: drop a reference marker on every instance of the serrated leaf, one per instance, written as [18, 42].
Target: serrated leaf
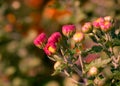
[97, 63]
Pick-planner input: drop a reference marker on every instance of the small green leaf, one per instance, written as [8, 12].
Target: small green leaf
[94, 49]
[56, 72]
[97, 48]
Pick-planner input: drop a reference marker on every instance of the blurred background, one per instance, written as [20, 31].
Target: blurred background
[23, 64]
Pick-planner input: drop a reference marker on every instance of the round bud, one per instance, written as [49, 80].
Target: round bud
[68, 30]
[87, 27]
[57, 64]
[93, 71]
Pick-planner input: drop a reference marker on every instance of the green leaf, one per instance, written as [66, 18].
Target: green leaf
[56, 72]
[116, 42]
[97, 48]
[94, 49]
[97, 63]
[117, 75]
[93, 38]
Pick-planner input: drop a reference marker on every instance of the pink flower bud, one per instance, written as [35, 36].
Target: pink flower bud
[106, 26]
[55, 37]
[68, 30]
[50, 48]
[87, 27]
[97, 22]
[78, 37]
[40, 40]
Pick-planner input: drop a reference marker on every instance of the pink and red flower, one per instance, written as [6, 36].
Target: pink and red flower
[50, 48]
[40, 40]
[68, 30]
[106, 26]
[97, 22]
[55, 37]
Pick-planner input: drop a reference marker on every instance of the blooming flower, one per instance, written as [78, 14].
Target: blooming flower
[40, 40]
[78, 36]
[87, 27]
[68, 30]
[50, 48]
[55, 37]
[97, 22]
[106, 26]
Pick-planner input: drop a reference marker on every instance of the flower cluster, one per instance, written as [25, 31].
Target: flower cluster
[91, 65]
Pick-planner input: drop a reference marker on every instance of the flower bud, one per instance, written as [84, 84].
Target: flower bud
[78, 37]
[68, 30]
[57, 64]
[55, 37]
[97, 22]
[40, 40]
[106, 26]
[50, 48]
[93, 71]
[87, 27]
[108, 18]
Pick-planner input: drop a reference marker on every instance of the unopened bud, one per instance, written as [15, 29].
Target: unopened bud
[57, 64]
[87, 27]
[93, 71]
[68, 30]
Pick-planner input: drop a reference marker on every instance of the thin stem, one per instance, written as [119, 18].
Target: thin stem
[77, 70]
[81, 63]
[63, 55]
